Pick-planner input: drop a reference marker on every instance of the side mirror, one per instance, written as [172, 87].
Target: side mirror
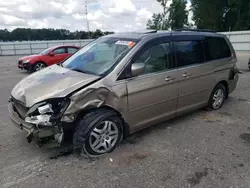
[137, 69]
[51, 54]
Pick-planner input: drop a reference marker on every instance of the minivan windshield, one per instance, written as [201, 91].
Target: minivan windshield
[99, 56]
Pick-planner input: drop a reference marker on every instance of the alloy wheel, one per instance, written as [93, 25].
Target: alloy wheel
[218, 98]
[104, 137]
[39, 66]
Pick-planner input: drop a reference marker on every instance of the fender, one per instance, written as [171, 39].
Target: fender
[96, 98]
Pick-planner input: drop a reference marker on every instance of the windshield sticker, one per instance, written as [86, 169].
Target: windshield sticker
[131, 44]
[126, 43]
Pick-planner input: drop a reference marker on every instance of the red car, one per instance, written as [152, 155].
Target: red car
[46, 58]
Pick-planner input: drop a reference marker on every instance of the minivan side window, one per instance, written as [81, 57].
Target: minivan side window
[216, 48]
[189, 53]
[156, 58]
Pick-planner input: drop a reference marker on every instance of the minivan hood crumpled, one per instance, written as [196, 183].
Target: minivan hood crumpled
[52, 82]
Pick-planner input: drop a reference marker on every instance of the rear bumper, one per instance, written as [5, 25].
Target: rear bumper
[233, 83]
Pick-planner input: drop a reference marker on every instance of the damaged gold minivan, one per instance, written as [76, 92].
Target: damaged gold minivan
[121, 83]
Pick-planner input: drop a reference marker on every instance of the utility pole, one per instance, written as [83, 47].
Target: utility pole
[87, 22]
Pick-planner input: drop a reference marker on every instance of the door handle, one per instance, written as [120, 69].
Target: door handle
[169, 79]
[186, 75]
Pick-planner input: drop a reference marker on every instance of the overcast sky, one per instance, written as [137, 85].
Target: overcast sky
[112, 15]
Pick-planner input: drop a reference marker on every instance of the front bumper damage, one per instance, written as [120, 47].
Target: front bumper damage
[43, 135]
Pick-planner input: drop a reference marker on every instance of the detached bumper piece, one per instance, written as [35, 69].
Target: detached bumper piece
[46, 136]
[233, 80]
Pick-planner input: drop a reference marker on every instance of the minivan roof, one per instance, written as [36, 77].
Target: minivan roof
[152, 34]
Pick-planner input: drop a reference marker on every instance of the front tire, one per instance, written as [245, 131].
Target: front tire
[98, 132]
[217, 97]
[38, 66]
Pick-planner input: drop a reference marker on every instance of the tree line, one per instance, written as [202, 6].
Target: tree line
[218, 15]
[27, 34]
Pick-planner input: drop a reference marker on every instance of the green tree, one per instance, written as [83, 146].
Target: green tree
[160, 21]
[178, 15]
[155, 23]
[164, 15]
[208, 14]
[98, 33]
[24, 34]
[4, 35]
[221, 15]
[237, 15]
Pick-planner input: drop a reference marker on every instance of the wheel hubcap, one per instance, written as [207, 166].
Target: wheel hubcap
[104, 137]
[39, 66]
[218, 98]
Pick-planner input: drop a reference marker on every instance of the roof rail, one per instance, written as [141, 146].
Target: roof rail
[197, 30]
[140, 32]
[144, 31]
[150, 31]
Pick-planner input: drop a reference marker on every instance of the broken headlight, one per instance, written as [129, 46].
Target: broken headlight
[45, 109]
[47, 112]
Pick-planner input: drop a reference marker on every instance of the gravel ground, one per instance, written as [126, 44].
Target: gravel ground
[202, 149]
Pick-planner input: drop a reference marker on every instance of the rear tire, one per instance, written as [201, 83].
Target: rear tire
[38, 66]
[98, 132]
[217, 97]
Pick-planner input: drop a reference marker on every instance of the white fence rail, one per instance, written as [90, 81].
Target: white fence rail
[33, 47]
[239, 39]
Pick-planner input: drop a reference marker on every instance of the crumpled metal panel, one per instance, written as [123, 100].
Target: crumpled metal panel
[96, 96]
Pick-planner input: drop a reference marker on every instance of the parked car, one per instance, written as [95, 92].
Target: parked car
[46, 58]
[121, 83]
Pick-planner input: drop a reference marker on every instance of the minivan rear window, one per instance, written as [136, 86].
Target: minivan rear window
[216, 48]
